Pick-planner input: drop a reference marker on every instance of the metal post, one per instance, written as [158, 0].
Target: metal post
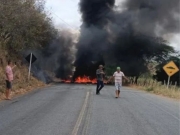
[30, 67]
[168, 81]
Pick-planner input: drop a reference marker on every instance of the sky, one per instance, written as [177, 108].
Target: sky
[66, 14]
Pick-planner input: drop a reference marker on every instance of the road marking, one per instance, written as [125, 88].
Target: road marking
[78, 123]
[88, 117]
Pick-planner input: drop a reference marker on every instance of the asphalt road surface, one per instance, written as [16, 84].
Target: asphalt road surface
[75, 110]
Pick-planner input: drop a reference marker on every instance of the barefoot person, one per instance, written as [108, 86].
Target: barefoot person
[99, 74]
[9, 79]
[118, 75]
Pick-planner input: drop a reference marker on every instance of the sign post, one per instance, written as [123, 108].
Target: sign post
[73, 71]
[170, 70]
[168, 81]
[30, 66]
[31, 59]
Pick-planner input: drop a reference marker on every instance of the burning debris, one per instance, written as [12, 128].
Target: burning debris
[84, 79]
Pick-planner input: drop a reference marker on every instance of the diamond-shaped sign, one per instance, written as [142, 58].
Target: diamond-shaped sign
[28, 58]
[171, 68]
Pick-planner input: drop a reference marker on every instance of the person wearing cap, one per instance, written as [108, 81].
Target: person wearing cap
[118, 75]
[99, 74]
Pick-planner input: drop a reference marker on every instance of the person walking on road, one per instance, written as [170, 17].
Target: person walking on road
[99, 74]
[9, 79]
[118, 75]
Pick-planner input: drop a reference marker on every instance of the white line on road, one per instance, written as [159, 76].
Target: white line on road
[88, 117]
[78, 123]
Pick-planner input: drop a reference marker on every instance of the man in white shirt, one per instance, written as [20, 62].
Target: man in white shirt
[118, 75]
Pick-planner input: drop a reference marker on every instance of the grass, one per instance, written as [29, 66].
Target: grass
[21, 85]
[152, 86]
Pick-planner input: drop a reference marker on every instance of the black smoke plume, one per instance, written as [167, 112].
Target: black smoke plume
[155, 17]
[129, 37]
[55, 60]
[93, 41]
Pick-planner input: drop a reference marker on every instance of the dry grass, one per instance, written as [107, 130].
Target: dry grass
[152, 86]
[20, 83]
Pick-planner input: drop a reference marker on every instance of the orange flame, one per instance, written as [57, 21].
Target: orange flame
[84, 79]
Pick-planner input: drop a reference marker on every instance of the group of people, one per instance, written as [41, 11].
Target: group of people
[118, 75]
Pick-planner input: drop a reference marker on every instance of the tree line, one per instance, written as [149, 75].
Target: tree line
[24, 24]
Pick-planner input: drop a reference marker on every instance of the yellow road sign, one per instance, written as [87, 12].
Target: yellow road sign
[171, 68]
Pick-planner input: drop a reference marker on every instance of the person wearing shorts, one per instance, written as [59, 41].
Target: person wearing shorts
[118, 75]
[9, 79]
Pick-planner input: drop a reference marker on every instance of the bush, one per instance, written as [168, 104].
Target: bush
[149, 89]
[151, 85]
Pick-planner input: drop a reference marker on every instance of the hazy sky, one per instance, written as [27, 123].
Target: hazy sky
[65, 13]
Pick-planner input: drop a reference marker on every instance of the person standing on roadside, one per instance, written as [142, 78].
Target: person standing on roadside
[99, 74]
[118, 75]
[9, 79]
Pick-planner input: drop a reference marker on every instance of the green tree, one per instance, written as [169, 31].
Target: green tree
[24, 24]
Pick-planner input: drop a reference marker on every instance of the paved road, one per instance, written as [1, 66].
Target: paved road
[76, 110]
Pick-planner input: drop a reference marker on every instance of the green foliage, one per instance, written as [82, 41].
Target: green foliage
[24, 24]
[149, 89]
[110, 70]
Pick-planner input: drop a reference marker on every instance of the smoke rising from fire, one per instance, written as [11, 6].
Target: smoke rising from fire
[56, 59]
[110, 35]
[105, 30]
[155, 16]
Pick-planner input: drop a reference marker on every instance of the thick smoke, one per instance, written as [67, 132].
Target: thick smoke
[106, 30]
[95, 12]
[154, 16]
[93, 41]
[54, 61]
